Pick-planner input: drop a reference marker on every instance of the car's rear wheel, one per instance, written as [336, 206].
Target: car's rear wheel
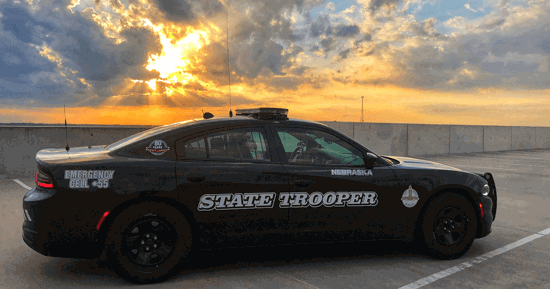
[449, 226]
[147, 241]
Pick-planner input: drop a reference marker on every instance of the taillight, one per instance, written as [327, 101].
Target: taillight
[43, 180]
[101, 220]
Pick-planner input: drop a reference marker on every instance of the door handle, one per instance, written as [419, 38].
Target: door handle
[196, 179]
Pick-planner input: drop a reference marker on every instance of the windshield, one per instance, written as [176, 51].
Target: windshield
[145, 134]
[318, 147]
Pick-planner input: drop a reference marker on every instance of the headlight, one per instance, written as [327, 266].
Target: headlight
[485, 190]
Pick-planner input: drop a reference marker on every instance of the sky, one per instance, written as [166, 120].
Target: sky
[155, 62]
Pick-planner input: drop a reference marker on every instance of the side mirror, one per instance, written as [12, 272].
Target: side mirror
[370, 159]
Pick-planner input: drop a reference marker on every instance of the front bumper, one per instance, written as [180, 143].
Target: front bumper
[58, 229]
[486, 221]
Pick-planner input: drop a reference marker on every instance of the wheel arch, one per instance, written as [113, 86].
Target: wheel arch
[460, 191]
[141, 197]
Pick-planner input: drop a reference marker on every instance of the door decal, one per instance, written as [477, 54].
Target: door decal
[410, 197]
[351, 172]
[157, 147]
[328, 199]
[209, 202]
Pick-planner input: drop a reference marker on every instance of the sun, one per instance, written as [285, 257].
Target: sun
[178, 56]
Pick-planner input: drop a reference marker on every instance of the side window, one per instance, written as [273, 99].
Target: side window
[241, 144]
[195, 148]
[238, 144]
[305, 146]
[259, 150]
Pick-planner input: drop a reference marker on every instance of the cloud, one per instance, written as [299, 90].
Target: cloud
[175, 10]
[506, 48]
[90, 53]
[347, 30]
[19, 58]
[58, 52]
[374, 5]
[515, 110]
[101, 50]
[262, 40]
[344, 53]
[362, 46]
[467, 6]
[320, 26]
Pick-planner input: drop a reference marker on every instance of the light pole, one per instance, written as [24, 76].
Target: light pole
[362, 119]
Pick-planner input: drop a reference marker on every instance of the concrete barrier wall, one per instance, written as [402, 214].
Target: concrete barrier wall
[428, 139]
[383, 138]
[542, 139]
[523, 138]
[497, 138]
[419, 139]
[19, 144]
[466, 139]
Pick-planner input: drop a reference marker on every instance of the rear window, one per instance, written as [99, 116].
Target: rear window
[145, 134]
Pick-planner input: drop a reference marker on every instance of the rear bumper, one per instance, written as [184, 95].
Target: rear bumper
[41, 243]
[55, 231]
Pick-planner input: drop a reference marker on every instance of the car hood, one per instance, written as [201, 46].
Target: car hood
[412, 163]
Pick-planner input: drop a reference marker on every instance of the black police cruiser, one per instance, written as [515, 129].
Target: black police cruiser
[151, 198]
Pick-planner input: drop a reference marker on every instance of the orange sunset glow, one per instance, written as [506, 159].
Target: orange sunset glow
[158, 62]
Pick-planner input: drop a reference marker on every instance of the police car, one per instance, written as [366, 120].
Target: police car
[147, 201]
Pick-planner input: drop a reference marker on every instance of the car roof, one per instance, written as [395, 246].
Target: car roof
[246, 119]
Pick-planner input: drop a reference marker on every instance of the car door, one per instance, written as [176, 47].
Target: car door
[230, 179]
[332, 191]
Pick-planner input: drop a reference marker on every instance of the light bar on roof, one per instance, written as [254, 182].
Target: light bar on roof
[266, 113]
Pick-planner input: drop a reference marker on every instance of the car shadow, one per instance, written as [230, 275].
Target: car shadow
[221, 261]
[281, 256]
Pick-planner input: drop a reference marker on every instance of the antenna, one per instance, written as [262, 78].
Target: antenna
[362, 119]
[228, 61]
[92, 135]
[67, 148]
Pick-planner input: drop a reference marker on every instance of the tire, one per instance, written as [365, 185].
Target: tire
[449, 226]
[146, 242]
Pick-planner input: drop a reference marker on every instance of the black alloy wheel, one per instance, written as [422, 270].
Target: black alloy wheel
[147, 242]
[449, 226]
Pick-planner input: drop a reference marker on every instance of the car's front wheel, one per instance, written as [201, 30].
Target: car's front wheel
[449, 226]
[147, 241]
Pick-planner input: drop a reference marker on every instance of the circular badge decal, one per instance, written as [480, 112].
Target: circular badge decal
[410, 197]
[157, 147]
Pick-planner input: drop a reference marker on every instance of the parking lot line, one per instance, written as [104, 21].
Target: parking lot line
[522, 165]
[487, 168]
[298, 280]
[432, 278]
[22, 184]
